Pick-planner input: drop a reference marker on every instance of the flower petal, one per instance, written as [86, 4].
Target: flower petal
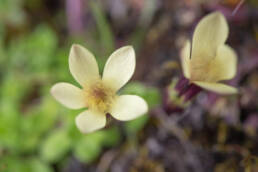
[119, 67]
[222, 67]
[128, 107]
[225, 63]
[217, 87]
[209, 34]
[185, 59]
[89, 121]
[83, 65]
[68, 95]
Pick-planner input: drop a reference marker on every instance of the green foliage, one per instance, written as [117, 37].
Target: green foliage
[32, 54]
[11, 12]
[111, 137]
[27, 111]
[55, 146]
[13, 164]
[89, 146]
[132, 127]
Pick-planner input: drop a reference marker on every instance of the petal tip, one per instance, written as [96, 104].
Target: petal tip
[129, 48]
[53, 90]
[235, 91]
[78, 124]
[90, 121]
[219, 16]
[146, 109]
[129, 107]
[75, 48]
[145, 106]
[217, 13]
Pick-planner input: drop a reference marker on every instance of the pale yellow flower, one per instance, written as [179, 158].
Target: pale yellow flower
[98, 93]
[211, 59]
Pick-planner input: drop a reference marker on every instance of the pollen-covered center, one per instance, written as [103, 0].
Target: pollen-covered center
[99, 97]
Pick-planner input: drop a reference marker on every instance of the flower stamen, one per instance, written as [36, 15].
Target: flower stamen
[99, 96]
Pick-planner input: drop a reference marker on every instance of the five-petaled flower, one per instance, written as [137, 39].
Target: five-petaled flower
[210, 60]
[98, 94]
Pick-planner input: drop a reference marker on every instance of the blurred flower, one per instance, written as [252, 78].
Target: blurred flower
[99, 94]
[210, 59]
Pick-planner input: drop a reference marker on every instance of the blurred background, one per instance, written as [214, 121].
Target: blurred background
[37, 134]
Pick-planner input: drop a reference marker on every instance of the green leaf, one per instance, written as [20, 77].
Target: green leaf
[11, 12]
[112, 137]
[9, 126]
[33, 53]
[132, 127]
[56, 145]
[89, 147]
[15, 163]
[35, 165]
[11, 163]
[45, 115]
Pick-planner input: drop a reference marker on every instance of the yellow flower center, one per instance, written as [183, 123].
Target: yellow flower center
[99, 96]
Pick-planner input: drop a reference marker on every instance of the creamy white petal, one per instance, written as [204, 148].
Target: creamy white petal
[83, 65]
[128, 107]
[217, 87]
[119, 67]
[210, 33]
[185, 59]
[68, 95]
[225, 64]
[89, 121]
[222, 67]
